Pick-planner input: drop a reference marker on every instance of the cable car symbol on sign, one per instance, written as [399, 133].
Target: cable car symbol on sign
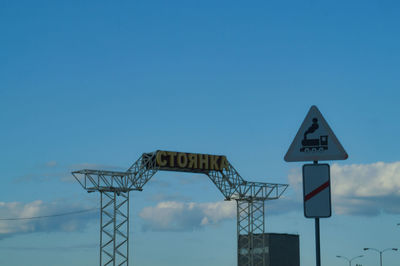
[314, 145]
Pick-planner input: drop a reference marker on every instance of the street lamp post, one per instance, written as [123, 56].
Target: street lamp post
[381, 251]
[349, 260]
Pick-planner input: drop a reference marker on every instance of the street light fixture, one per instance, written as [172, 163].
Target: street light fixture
[381, 251]
[349, 260]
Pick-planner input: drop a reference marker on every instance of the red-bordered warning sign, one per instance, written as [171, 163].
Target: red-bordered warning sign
[315, 141]
[317, 191]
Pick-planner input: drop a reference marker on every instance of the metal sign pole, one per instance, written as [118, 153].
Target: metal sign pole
[317, 242]
[317, 238]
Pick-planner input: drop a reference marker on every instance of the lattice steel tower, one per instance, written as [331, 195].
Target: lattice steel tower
[114, 188]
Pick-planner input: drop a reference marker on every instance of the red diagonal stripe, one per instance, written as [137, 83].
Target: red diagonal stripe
[316, 191]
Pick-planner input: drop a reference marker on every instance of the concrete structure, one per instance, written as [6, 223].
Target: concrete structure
[278, 250]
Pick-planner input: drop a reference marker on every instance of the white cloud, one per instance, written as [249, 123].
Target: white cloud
[51, 163]
[37, 208]
[366, 180]
[362, 189]
[295, 179]
[168, 197]
[181, 216]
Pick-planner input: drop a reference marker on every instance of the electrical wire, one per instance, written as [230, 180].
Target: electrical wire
[49, 216]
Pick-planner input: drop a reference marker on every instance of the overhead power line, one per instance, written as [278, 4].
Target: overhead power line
[49, 216]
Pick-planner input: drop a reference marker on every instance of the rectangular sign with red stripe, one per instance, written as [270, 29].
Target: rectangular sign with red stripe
[317, 191]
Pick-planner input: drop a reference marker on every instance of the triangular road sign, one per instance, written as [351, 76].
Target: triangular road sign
[315, 141]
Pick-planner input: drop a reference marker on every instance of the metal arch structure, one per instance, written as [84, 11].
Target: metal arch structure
[115, 186]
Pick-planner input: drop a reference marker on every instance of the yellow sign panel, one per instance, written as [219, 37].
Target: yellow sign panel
[192, 162]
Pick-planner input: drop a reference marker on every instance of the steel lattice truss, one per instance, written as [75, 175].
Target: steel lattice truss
[250, 233]
[115, 187]
[228, 181]
[114, 228]
[99, 180]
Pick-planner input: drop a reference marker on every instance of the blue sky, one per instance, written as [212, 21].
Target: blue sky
[94, 84]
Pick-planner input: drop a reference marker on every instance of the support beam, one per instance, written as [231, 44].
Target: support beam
[250, 233]
[114, 228]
